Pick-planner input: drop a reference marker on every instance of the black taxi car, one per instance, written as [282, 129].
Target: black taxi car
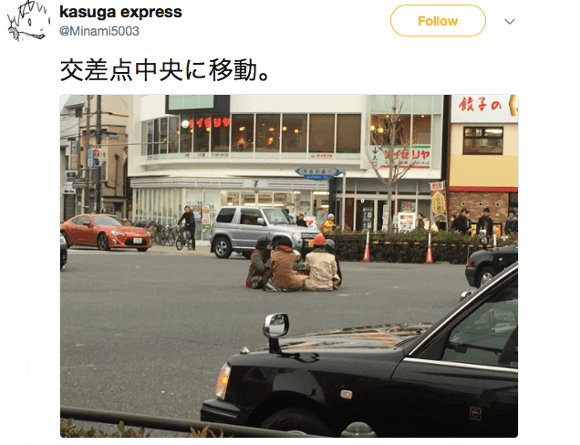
[454, 378]
[483, 265]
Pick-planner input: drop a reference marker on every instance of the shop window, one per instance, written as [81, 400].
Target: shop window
[421, 129]
[242, 133]
[173, 134]
[163, 142]
[294, 133]
[321, 136]
[220, 133]
[348, 133]
[483, 140]
[201, 129]
[268, 133]
[150, 137]
[156, 137]
[513, 202]
[265, 199]
[186, 133]
[381, 133]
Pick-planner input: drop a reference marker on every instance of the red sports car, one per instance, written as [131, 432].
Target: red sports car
[104, 232]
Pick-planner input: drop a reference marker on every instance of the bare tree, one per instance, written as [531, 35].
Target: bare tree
[389, 142]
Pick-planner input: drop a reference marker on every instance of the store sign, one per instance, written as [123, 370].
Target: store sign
[406, 222]
[317, 173]
[419, 156]
[255, 183]
[438, 206]
[482, 108]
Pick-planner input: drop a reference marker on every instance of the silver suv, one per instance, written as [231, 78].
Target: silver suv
[237, 228]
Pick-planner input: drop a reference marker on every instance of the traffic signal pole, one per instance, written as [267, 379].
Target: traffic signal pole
[87, 188]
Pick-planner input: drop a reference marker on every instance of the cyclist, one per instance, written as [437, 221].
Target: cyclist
[189, 223]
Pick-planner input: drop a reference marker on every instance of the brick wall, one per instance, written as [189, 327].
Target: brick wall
[487, 199]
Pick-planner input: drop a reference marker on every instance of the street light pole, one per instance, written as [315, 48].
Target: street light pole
[98, 167]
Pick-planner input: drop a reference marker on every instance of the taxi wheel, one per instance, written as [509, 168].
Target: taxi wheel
[299, 420]
[102, 242]
[487, 273]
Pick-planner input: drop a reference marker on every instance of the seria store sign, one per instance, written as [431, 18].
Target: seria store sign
[419, 156]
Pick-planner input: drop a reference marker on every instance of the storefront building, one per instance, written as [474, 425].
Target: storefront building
[213, 151]
[484, 156]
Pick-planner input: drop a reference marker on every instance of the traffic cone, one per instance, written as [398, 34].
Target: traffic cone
[429, 258]
[367, 255]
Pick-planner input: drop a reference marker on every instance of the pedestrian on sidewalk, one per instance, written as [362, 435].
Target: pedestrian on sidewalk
[485, 223]
[460, 223]
[329, 225]
[511, 224]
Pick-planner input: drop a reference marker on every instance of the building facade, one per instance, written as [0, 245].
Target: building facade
[111, 187]
[213, 151]
[484, 156]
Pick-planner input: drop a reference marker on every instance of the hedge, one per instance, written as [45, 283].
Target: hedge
[411, 247]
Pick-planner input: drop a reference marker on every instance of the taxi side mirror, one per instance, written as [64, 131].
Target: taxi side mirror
[275, 327]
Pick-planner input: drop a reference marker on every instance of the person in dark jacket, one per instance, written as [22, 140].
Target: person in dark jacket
[511, 225]
[330, 248]
[420, 224]
[485, 223]
[259, 258]
[301, 221]
[189, 219]
[460, 223]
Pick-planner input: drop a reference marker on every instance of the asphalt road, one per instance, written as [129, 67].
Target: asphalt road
[147, 333]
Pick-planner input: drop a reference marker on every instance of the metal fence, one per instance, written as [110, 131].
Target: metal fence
[159, 423]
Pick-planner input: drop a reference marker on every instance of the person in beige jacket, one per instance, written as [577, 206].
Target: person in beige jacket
[321, 265]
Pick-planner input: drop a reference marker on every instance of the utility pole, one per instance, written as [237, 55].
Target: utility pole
[86, 205]
[98, 169]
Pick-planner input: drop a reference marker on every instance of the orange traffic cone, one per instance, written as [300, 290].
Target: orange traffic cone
[367, 255]
[429, 258]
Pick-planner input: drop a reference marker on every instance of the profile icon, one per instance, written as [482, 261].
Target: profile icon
[29, 23]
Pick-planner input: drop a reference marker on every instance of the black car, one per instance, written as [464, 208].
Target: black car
[63, 251]
[455, 378]
[483, 265]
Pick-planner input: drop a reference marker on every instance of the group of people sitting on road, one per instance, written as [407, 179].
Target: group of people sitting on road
[274, 266]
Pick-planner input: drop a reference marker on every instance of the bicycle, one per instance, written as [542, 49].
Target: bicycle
[184, 238]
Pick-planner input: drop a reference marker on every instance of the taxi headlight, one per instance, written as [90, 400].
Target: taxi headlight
[222, 383]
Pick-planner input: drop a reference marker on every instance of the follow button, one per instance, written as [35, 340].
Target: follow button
[438, 20]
